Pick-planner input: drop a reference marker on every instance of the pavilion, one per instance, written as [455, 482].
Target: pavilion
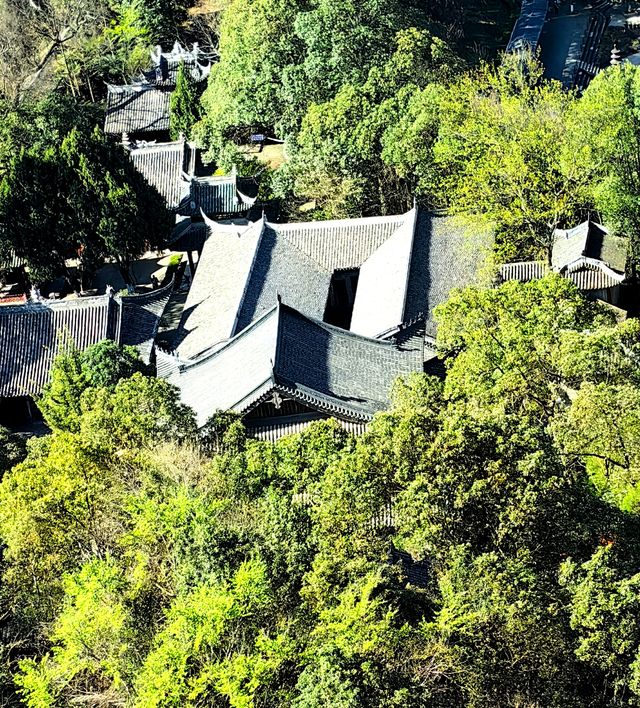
[588, 255]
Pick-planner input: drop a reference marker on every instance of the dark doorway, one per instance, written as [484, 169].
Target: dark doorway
[342, 295]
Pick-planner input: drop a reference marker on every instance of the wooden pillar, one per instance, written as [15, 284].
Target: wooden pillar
[191, 263]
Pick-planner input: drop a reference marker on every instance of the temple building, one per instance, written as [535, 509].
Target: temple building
[588, 255]
[171, 169]
[285, 323]
[141, 109]
[32, 335]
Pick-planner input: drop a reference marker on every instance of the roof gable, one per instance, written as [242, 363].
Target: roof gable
[343, 244]
[382, 286]
[322, 366]
[588, 240]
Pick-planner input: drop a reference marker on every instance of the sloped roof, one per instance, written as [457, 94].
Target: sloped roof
[32, 334]
[278, 267]
[216, 196]
[523, 271]
[342, 244]
[382, 286]
[445, 256]
[164, 65]
[218, 287]
[141, 316]
[588, 240]
[409, 265]
[587, 274]
[163, 165]
[136, 109]
[528, 27]
[325, 367]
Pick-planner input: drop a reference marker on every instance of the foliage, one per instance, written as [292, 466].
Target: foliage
[13, 449]
[157, 567]
[183, 105]
[69, 192]
[73, 371]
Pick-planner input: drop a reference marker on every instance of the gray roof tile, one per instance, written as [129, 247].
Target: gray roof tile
[325, 367]
[589, 240]
[408, 264]
[523, 271]
[162, 165]
[32, 334]
[215, 196]
[136, 109]
[445, 256]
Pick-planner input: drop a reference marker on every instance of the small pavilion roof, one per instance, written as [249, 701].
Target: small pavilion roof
[164, 65]
[588, 240]
[323, 367]
[139, 108]
[217, 196]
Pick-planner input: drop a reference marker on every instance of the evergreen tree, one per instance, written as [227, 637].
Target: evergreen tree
[184, 109]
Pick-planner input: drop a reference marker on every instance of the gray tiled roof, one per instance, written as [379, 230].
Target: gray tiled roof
[587, 275]
[528, 27]
[278, 268]
[523, 271]
[163, 165]
[341, 244]
[164, 65]
[218, 287]
[409, 264]
[382, 286]
[141, 316]
[324, 367]
[31, 338]
[136, 109]
[31, 333]
[445, 256]
[589, 240]
[215, 196]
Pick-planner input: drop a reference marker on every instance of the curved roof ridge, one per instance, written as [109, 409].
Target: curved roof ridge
[339, 330]
[593, 263]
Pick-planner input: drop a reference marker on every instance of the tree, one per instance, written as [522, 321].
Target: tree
[340, 141]
[499, 156]
[605, 131]
[73, 371]
[506, 342]
[106, 363]
[13, 449]
[70, 192]
[184, 111]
